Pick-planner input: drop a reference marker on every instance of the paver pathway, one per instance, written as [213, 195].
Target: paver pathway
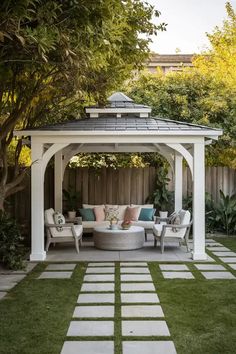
[138, 308]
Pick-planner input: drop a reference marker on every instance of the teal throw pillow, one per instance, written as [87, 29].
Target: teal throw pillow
[147, 214]
[87, 214]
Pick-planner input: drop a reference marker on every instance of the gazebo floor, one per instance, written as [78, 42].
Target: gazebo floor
[67, 253]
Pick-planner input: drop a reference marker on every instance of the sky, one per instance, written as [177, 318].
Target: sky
[188, 21]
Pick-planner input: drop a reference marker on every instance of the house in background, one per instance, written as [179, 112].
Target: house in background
[169, 62]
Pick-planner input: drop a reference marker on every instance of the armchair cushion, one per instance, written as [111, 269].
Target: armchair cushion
[59, 219]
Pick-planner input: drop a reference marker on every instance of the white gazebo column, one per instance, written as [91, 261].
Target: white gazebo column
[58, 179]
[199, 201]
[178, 182]
[37, 202]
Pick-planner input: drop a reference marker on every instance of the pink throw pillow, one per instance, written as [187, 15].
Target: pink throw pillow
[132, 214]
[99, 213]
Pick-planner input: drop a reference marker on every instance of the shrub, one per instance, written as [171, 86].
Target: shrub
[11, 247]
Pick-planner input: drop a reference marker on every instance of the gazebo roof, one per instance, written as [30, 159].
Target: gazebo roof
[126, 124]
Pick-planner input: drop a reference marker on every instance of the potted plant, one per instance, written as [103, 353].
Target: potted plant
[72, 199]
[161, 196]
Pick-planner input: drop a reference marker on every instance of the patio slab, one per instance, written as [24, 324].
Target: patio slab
[97, 287]
[11, 278]
[95, 298]
[61, 266]
[55, 275]
[175, 267]
[218, 249]
[137, 287]
[88, 347]
[135, 277]
[88, 253]
[100, 264]
[5, 286]
[139, 270]
[91, 328]
[224, 254]
[142, 311]
[133, 264]
[209, 267]
[99, 277]
[144, 328]
[139, 298]
[218, 275]
[178, 275]
[2, 294]
[93, 311]
[148, 347]
[228, 259]
[97, 270]
[233, 266]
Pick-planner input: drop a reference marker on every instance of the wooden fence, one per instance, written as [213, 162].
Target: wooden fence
[121, 186]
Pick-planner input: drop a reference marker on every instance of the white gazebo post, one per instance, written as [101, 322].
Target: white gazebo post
[37, 201]
[199, 201]
[178, 181]
[58, 179]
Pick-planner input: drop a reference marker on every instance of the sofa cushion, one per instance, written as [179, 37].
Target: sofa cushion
[93, 224]
[99, 212]
[87, 214]
[121, 211]
[147, 214]
[132, 213]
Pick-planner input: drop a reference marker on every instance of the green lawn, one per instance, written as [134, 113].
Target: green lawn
[201, 314]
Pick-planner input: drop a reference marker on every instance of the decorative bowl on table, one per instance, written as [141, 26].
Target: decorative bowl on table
[126, 224]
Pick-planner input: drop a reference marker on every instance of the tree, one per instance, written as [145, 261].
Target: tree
[204, 94]
[56, 54]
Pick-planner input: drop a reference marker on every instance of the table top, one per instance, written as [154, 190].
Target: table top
[119, 229]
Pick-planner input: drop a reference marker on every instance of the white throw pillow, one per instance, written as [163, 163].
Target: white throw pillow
[59, 219]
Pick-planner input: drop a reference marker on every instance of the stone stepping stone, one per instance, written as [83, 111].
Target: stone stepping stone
[105, 264]
[96, 298]
[99, 277]
[144, 328]
[55, 275]
[214, 244]
[233, 266]
[88, 347]
[175, 267]
[61, 266]
[224, 254]
[138, 270]
[209, 267]
[222, 249]
[148, 347]
[97, 287]
[178, 275]
[93, 311]
[11, 278]
[136, 277]
[139, 297]
[97, 270]
[228, 259]
[137, 287]
[7, 286]
[133, 264]
[2, 294]
[218, 275]
[142, 311]
[91, 328]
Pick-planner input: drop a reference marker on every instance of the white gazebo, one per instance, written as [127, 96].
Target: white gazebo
[121, 126]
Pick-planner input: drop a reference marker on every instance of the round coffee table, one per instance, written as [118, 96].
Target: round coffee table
[119, 239]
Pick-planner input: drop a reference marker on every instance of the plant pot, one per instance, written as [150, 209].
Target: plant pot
[71, 214]
[163, 214]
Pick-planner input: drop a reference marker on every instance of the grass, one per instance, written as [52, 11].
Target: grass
[200, 313]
